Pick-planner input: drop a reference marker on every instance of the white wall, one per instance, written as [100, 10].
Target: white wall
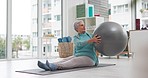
[69, 16]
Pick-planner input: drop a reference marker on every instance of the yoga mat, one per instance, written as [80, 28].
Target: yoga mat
[43, 72]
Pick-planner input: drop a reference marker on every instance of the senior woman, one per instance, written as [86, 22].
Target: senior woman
[84, 51]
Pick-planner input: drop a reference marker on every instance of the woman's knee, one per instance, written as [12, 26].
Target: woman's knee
[84, 61]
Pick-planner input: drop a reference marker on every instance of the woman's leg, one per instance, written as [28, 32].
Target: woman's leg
[53, 66]
[80, 61]
[63, 60]
[50, 66]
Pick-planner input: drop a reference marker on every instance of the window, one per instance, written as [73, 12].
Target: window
[51, 26]
[3, 29]
[34, 34]
[57, 17]
[34, 48]
[56, 2]
[57, 33]
[47, 18]
[125, 26]
[126, 8]
[24, 35]
[24, 28]
[56, 48]
[121, 13]
[34, 20]
[143, 9]
[49, 48]
[115, 9]
[49, 32]
[120, 8]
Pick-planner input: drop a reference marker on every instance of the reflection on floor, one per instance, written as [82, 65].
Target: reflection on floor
[120, 70]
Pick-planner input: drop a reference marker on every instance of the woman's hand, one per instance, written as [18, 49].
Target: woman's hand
[95, 39]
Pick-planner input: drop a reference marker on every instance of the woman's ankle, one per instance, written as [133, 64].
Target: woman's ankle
[53, 66]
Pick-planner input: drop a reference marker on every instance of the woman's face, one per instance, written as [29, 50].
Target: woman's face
[81, 28]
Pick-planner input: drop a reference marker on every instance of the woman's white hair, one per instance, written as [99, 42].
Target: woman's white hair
[77, 23]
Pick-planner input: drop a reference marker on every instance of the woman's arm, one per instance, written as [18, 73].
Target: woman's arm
[80, 44]
[95, 39]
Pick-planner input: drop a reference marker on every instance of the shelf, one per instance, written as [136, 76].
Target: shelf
[85, 12]
[90, 27]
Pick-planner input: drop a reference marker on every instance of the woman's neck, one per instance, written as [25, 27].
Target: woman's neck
[81, 32]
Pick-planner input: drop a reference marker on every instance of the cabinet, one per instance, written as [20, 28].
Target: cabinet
[84, 10]
[91, 23]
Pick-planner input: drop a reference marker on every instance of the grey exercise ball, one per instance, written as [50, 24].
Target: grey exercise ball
[113, 38]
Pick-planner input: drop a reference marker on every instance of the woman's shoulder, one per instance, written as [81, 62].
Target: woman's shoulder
[89, 33]
[76, 36]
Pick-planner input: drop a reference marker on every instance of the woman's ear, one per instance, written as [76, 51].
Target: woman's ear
[77, 29]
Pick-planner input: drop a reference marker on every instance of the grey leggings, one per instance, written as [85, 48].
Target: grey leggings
[72, 62]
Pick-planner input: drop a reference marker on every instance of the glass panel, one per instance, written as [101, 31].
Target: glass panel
[34, 32]
[24, 28]
[3, 29]
[142, 15]
[121, 13]
[51, 27]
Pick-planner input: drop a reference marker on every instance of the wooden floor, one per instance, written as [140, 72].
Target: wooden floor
[122, 69]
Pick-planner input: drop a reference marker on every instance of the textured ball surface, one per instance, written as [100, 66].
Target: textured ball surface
[113, 38]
